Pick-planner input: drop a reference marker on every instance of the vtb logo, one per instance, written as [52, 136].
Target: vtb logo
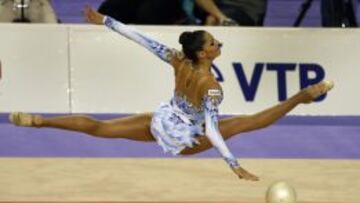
[250, 84]
[309, 74]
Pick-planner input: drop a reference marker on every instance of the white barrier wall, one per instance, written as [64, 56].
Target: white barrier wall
[34, 68]
[110, 74]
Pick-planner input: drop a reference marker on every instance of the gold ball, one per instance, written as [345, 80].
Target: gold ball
[280, 192]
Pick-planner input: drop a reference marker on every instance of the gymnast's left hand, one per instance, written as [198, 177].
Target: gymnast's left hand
[243, 174]
[93, 16]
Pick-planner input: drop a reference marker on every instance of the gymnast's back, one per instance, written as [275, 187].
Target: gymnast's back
[193, 85]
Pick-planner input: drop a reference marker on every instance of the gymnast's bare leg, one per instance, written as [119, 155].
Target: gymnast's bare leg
[135, 127]
[233, 126]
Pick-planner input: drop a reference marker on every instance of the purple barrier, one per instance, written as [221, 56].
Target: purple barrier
[292, 137]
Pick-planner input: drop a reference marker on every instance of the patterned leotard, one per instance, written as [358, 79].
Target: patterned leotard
[177, 123]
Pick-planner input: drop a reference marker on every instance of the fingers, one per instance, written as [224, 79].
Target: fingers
[243, 174]
[253, 178]
[247, 176]
[88, 13]
[87, 9]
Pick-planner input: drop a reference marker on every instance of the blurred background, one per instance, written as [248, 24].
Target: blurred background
[284, 13]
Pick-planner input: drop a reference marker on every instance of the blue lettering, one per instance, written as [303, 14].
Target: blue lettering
[219, 77]
[281, 69]
[305, 79]
[249, 88]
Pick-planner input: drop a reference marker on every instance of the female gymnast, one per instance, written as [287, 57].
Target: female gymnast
[188, 123]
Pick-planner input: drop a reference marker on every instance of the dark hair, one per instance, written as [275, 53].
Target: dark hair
[192, 42]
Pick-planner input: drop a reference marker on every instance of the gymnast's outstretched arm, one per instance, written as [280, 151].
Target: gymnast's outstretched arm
[162, 51]
[213, 133]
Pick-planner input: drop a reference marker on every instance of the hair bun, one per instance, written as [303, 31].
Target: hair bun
[185, 37]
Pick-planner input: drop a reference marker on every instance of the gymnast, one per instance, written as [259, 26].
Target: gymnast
[188, 123]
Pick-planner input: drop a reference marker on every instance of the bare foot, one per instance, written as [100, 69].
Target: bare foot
[314, 91]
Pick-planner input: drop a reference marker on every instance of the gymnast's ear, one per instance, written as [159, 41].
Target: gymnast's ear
[201, 54]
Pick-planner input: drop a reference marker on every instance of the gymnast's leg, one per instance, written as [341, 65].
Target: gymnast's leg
[135, 127]
[232, 126]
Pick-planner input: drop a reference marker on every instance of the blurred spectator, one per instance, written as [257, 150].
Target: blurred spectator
[163, 12]
[145, 11]
[339, 13]
[244, 12]
[159, 11]
[30, 11]
[125, 10]
[238, 12]
[213, 14]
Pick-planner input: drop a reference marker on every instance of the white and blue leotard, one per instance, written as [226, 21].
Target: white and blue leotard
[177, 123]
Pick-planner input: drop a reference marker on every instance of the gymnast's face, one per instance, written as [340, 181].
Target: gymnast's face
[211, 48]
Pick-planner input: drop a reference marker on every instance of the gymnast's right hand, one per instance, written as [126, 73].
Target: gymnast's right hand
[243, 174]
[93, 16]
